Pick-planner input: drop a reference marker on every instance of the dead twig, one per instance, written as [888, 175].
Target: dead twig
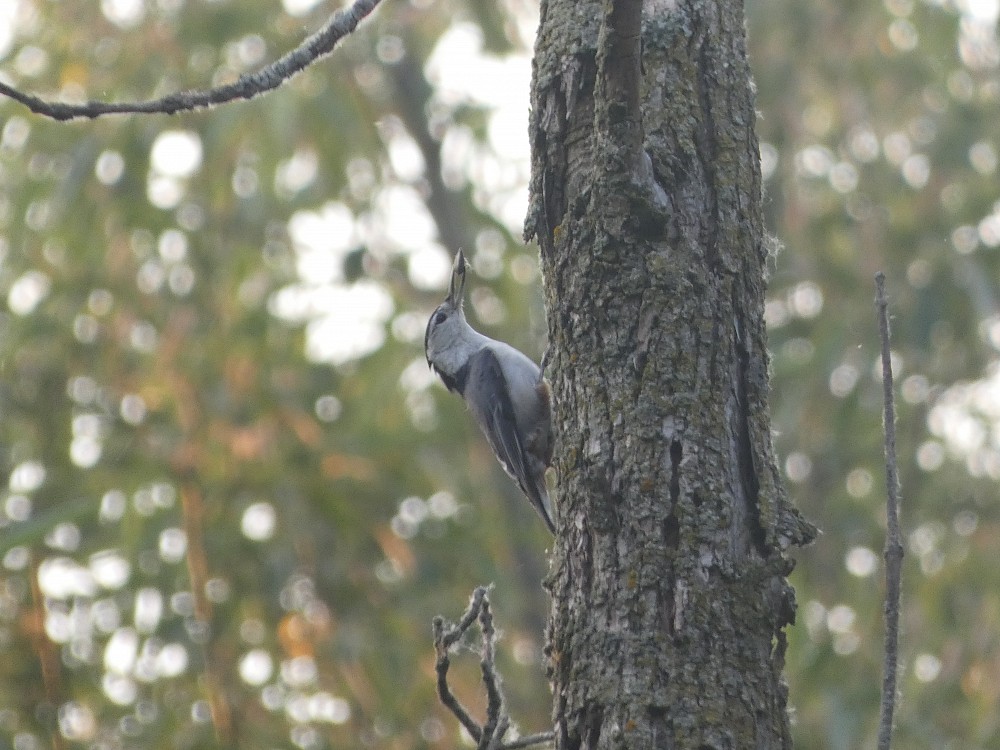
[247, 86]
[893, 552]
[490, 735]
[445, 636]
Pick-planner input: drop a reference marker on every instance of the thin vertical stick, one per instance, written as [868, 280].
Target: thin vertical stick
[193, 513]
[893, 552]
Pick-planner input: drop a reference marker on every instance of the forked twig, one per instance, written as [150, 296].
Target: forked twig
[445, 636]
[490, 735]
[893, 552]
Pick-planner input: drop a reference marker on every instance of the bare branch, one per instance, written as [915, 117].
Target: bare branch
[490, 735]
[247, 86]
[893, 553]
[445, 636]
[494, 707]
[496, 735]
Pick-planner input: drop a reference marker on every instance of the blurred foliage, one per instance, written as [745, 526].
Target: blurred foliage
[880, 138]
[235, 497]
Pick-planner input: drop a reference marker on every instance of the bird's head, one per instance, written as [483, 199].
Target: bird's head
[449, 338]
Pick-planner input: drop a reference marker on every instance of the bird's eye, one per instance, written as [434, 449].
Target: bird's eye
[440, 317]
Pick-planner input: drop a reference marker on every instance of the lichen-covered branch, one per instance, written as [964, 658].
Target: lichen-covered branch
[247, 86]
[445, 636]
[489, 735]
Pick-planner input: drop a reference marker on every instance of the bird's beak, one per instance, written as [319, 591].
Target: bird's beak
[456, 288]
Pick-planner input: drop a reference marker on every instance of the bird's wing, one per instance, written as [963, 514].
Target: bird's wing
[488, 397]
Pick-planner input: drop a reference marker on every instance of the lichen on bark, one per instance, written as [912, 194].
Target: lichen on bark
[669, 597]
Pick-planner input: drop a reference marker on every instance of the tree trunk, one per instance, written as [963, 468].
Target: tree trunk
[669, 597]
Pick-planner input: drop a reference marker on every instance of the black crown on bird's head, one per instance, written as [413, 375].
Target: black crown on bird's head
[452, 303]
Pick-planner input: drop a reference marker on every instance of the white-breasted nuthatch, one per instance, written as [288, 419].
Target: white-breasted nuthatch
[505, 391]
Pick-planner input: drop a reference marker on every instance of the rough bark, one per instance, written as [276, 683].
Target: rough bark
[669, 597]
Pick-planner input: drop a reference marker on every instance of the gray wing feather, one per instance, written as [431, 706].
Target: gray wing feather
[488, 398]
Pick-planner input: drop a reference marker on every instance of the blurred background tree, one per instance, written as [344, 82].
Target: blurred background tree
[215, 406]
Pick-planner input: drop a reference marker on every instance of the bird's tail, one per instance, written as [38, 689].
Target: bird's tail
[538, 494]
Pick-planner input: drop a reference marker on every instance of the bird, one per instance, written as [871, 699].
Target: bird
[504, 389]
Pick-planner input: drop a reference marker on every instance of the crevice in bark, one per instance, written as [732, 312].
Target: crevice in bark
[573, 742]
[646, 319]
[552, 138]
[778, 647]
[748, 470]
[667, 611]
[676, 453]
[587, 559]
[592, 728]
[671, 537]
[671, 531]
